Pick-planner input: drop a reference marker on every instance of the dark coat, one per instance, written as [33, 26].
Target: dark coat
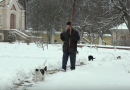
[74, 39]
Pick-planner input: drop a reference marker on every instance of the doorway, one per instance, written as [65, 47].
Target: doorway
[12, 21]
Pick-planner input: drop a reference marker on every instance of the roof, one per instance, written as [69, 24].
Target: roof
[121, 26]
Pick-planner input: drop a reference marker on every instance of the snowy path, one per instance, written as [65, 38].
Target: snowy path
[93, 76]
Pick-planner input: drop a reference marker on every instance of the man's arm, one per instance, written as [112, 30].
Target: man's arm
[62, 37]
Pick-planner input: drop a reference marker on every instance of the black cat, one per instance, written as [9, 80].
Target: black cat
[90, 57]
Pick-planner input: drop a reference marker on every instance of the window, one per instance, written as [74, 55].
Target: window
[13, 8]
[0, 20]
[0, 36]
[123, 40]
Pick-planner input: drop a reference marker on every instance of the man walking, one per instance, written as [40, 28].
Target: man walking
[69, 50]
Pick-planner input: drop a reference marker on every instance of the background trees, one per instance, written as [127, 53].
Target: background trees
[92, 16]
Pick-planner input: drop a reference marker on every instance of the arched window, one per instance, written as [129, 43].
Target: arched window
[12, 21]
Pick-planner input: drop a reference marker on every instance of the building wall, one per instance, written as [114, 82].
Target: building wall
[117, 34]
[57, 38]
[4, 35]
[2, 17]
[6, 12]
[96, 41]
[108, 40]
[1, 36]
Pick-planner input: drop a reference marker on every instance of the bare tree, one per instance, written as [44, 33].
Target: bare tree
[91, 16]
[122, 6]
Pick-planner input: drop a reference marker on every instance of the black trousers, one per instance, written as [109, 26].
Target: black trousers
[72, 56]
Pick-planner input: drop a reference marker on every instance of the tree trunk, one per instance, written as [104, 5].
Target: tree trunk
[127, 21]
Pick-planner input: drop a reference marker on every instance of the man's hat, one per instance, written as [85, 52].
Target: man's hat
[68, 23]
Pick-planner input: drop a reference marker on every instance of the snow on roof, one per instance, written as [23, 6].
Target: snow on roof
[10, 1]
[121, 26]
[107, 35]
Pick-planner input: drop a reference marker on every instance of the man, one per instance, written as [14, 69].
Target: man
[69, 51]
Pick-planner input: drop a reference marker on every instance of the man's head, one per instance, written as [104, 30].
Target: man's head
[68, 25]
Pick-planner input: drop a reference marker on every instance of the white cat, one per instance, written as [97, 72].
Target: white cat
[40, 73]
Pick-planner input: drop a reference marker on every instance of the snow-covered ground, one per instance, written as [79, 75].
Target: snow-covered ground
[106, 72]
